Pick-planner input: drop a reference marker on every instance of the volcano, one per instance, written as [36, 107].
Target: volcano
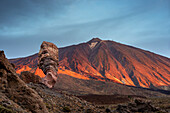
[105, 60]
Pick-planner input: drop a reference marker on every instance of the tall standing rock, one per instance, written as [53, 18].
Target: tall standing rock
[48, 62]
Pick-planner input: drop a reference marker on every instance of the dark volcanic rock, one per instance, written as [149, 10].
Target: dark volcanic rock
[137, 106]
[48, 62]
[28, 77]
[59, 102]
[15, 93]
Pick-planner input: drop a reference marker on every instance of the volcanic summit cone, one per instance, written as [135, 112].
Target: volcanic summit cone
[106, 60]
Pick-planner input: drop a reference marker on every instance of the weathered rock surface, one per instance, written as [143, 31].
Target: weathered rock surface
[28, 77]
[58, 101]
[137, 106]
[14, 93]
[48, 62]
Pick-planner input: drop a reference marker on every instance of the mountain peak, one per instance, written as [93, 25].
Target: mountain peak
[110, 61]
[93, 42]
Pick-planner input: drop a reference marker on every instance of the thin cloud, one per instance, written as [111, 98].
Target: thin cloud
[24, 15]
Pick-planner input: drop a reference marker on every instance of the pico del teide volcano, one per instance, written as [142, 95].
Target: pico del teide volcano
[106, 60]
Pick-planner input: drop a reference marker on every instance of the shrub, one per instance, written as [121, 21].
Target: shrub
[66, 109]
[5, 110]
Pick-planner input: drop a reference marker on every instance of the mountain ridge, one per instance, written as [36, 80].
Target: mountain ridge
[108, 60]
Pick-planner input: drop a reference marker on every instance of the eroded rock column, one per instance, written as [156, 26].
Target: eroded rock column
[48, 62]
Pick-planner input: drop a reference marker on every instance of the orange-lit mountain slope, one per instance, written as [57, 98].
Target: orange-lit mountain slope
[109, 61]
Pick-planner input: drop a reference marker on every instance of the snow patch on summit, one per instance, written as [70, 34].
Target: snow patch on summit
[92, 45]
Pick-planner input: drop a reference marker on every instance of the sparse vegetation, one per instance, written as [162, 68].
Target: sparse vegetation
[66, 109]
[47, 105]
[107, 110]
[89, 111]
[5, 110]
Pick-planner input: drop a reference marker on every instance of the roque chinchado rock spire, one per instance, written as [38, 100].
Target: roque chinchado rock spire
[48, 62]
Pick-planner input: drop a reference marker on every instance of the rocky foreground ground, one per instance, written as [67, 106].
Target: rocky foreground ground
[59, 101]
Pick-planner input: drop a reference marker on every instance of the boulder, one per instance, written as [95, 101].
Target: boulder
[137, 106]
[28, 77]
[48, 62]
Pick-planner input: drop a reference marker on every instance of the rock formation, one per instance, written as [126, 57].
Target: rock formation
[48, 62]
[28, 77]
[137, 106]
[14, 93]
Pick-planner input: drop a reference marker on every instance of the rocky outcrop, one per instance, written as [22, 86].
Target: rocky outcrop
[48, 62]
[137, 106]
[28, 77]
[62, 102]
[14, 93]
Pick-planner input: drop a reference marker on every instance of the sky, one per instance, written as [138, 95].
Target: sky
[25, 24]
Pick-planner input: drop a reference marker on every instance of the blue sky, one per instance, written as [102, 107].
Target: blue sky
[24, 24]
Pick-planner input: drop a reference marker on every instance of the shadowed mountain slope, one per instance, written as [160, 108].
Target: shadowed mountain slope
[84, 87]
